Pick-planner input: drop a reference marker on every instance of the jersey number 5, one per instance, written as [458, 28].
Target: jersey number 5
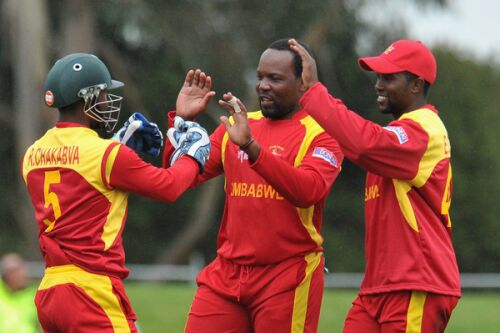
[51, 177]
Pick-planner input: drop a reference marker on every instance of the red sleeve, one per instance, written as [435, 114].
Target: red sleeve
[213, 167]
[131, 173]
[311, 181]
[169, 149]
[393, 151]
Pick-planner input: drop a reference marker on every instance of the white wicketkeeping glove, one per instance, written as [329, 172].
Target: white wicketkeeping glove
[189, 138]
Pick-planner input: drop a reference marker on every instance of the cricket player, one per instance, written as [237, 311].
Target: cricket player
[279, 166]
[411, 282]
[79, 184]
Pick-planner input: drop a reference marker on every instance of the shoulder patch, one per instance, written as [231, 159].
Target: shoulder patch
[326, 155]
[399, 131]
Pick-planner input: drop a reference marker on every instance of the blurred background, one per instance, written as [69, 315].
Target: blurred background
[150, 45]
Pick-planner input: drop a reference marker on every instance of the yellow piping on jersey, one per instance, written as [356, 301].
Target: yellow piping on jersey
[118, 202]
[446, 203]
[306, 214]
[251, 115]
[91, 149]
[312, 130]
[438, 148]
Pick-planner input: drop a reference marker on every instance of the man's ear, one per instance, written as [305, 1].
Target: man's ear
[417, 86]
[302, 87]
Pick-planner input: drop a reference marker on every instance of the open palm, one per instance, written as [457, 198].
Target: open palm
[194, 95]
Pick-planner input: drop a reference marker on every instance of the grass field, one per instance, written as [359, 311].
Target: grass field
[162, 308]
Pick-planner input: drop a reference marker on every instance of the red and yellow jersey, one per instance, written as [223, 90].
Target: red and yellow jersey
[407, 194]
[79, 185]
[273, 207]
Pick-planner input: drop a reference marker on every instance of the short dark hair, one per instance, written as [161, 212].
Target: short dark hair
[410, 76]
[282, 45]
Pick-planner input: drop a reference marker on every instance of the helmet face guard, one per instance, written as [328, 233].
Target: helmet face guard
[84, 76]
[105, 111]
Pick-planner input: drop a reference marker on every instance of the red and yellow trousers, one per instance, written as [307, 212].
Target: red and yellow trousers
[404, 311]
[278, 298]
[72, 300]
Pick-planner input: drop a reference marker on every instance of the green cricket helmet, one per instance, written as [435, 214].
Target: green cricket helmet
[83, 76]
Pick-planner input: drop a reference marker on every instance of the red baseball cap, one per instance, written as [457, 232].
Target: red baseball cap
[403, 55]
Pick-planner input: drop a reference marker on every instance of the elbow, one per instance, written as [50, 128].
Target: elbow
[172, 197]
[303, 202]
[305, 199]
[305, 205]
[169, 196]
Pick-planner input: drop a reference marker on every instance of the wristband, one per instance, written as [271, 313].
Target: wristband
[246, 145]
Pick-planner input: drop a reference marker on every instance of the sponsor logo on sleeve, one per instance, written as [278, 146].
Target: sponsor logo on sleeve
[325, 154]
[400, 133]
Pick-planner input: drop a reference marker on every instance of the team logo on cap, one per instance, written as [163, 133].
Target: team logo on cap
[49, 98]
[389, 49]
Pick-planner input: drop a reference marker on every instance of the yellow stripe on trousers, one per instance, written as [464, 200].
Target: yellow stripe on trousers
[302, 293]
[97, 287]
[415, 312]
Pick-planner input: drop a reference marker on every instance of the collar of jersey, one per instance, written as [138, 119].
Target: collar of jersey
[63, 124]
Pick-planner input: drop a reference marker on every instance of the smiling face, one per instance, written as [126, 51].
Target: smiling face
[278, 87]
[397, 93]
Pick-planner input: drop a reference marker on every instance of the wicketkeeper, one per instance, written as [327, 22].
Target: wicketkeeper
[79, 184]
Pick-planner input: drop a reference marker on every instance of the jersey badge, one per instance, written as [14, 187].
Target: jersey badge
[326, 155]
[276, 150]
[400, 133]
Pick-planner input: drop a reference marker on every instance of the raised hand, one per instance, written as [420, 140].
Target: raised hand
[239, 131]
[309, 69]
[194, 95]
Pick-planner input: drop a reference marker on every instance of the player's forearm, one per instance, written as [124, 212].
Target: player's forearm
[301, 187]
[131, 174]
[365, 143]
[348, 128]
